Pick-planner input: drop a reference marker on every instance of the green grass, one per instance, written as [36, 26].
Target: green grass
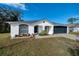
[36, 47]
[75, 33]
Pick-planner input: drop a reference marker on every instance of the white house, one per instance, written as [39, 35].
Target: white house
[31, 27]
[74, 27]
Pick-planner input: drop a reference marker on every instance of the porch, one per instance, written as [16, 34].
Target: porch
[38, 29]
[25, 31]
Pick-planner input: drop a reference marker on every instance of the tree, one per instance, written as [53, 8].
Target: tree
[72, 20]
[7, 14]
[72, 23]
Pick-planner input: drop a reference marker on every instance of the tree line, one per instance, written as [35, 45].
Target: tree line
[8, 14]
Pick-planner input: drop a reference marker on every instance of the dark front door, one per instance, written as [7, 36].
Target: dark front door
[60, 29]
[47, 28]
[36, 29]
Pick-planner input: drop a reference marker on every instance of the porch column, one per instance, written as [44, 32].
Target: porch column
[14, 30]
[40, 28]
[43, 27]
[51, 30]
[67, 29]
[31, 29]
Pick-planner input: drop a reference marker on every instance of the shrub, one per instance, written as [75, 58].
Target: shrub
[43, 33]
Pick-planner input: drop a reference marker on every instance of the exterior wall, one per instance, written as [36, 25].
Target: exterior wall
[42, 25]
[31, 29]
[40, 28]
[67, 29]
[14, 30]
[76, 29]
[47, 24]
[51, 31]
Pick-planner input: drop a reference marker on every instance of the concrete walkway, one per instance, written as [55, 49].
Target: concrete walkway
[70, 36]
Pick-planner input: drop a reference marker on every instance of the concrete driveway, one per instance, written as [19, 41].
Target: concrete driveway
[70, 36]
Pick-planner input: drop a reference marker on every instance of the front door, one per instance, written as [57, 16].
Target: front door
[47, 28]
[35, 29]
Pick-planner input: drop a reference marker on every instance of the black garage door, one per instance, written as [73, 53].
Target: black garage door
[60, 29]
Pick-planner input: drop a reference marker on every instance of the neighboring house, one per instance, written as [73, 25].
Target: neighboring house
[31, 27]
[74, 27]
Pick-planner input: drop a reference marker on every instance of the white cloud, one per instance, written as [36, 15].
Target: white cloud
[17, 5]
[75, 16]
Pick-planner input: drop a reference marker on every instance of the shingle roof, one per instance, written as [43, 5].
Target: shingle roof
[56, 24]
[34, 21]
[73, 25]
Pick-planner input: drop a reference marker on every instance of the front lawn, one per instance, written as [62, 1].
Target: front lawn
[75, 33]
[36, 47]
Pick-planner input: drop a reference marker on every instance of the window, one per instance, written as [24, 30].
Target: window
[23, 29]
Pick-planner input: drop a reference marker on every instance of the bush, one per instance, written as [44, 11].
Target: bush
[43, 33]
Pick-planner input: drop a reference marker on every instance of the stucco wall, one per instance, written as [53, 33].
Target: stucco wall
[14, 30]
[51, 31]
[31, 29]
[67, 29]
[45, 24]
[76, 29]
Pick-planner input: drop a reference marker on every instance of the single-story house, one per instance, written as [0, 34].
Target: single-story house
[74, 27]
[31, 27]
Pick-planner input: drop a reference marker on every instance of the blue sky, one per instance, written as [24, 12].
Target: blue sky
[57, 12]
